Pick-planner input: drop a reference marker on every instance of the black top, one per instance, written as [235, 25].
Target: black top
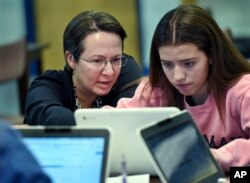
[51, 101]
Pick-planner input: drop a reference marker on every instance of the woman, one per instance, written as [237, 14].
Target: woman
[97, 72]
[193, 66]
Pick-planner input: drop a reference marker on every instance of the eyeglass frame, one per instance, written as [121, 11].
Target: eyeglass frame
[104, 61]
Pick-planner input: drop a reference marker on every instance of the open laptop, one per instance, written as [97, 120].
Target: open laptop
[70, 154]
[179, 152]
[124, 123]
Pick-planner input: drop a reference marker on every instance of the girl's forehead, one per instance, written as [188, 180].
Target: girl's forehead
[180, 51]
[184, 46]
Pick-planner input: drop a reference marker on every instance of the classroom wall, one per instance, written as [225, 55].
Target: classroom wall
[230, 14]
[53, 16]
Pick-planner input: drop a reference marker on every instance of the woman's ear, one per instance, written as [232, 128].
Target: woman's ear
[70, 59]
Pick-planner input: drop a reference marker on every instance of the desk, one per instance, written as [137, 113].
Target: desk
[154, 179]
[134, 179]
[13, 120]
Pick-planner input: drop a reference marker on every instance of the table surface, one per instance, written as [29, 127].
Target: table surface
[154, 179]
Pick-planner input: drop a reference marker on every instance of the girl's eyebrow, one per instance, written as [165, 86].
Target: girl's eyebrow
[183, 60]
[188, 59]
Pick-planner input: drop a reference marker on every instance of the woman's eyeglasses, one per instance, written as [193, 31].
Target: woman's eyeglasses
[118, 61]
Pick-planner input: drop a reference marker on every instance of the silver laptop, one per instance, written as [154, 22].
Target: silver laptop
[70, 154]
[179, 152]
[124, 123]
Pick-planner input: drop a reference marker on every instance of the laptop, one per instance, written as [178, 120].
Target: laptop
[179, 152]
[70, 154]
[125, 144]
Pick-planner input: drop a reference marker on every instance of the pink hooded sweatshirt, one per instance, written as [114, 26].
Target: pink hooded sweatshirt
[229, 140]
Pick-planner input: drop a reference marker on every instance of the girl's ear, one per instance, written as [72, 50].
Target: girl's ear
[70, 59]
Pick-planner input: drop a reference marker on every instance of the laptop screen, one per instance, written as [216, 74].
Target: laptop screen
[186, 163]
[67, 159]
[180, 151]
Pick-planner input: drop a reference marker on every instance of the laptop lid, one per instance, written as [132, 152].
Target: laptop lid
[124, 123]
[70, 154]
[178, 151]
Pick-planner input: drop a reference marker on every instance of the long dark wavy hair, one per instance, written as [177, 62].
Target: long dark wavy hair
[191, 24]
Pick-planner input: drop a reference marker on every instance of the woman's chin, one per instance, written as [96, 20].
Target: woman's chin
[103, 92]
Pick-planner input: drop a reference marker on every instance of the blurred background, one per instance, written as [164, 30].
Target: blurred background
[46, 21]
